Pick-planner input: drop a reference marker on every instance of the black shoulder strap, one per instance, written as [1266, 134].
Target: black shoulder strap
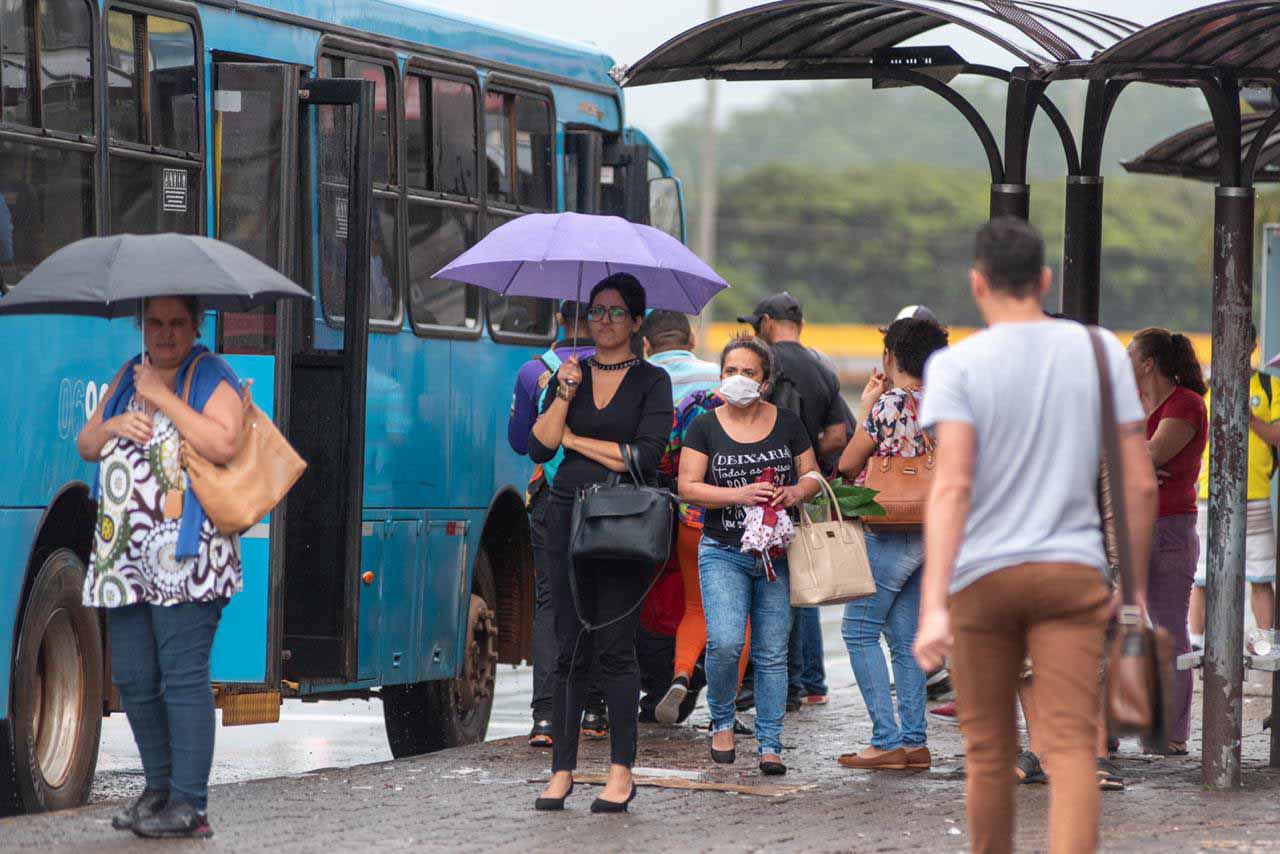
[1264, 379]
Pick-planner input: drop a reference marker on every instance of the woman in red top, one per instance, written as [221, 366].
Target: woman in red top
[1172, 388]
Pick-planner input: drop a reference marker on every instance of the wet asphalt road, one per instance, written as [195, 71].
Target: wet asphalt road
[340, 734]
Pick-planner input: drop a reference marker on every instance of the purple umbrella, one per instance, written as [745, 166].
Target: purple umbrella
[563, 256]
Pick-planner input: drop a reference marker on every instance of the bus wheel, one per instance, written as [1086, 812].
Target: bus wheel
[57, 698]
[430, 716]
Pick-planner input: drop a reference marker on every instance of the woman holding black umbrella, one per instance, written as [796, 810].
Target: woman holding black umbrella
[159, 567]
[591, 410]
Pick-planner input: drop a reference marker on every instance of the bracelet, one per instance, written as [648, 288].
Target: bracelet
[564, 393]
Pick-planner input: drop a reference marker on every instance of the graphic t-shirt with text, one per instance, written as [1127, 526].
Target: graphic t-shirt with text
[733, 464]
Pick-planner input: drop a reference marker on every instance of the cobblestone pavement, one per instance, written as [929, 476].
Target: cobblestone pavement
[480, 798]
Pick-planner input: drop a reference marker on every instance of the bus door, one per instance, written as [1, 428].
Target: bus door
[327, 380]
[254, 192]
[624, 182]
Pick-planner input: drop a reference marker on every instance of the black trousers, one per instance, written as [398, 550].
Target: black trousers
[606, 589]
[545, 646]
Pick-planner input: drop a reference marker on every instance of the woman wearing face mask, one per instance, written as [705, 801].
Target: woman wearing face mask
[891, 428]
[725, 453]
[591, 410]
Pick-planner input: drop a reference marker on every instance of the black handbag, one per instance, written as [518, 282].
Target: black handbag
[618, 520]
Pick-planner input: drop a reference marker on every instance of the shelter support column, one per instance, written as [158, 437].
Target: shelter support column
[1011, 200]
[1082, 249]
[1229, 441]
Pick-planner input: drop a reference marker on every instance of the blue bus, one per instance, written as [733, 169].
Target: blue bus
[357, 147]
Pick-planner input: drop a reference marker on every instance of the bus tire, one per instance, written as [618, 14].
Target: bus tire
[56, 717]
[429, 716]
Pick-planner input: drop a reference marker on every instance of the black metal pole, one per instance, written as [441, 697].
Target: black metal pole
[1082, 249]
[1228, 472]
[1011, 200]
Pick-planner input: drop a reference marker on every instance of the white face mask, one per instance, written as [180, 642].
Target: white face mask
[740, 390]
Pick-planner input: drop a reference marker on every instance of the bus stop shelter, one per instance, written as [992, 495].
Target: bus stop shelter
[1220, 49]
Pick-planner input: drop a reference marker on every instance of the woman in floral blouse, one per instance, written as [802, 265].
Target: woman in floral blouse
[891, 428]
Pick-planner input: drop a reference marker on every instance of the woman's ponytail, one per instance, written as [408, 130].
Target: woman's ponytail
[1175, 357]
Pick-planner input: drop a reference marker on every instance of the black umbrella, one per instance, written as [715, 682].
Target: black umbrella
[111, 276]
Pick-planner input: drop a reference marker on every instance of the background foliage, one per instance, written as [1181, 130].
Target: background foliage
[860, 201]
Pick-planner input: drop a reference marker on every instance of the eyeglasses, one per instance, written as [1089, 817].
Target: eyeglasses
[597, 314]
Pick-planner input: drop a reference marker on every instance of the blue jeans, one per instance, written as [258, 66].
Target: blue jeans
[894, 609]
[734, 587]
[160, 664]
[806, 673]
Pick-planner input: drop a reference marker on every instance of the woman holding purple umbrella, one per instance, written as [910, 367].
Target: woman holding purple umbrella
[591, 410]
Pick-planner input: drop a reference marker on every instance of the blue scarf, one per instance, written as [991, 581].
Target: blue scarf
[211, 371]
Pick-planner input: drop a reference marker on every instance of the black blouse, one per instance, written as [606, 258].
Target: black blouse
[640, 414]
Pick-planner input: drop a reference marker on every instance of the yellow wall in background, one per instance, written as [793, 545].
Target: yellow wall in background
[851, 341]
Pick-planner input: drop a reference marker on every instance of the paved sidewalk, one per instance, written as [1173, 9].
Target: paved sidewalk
[480, 798]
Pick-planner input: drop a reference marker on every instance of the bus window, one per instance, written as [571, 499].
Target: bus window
[440, 135]
[60, 68]
[46, 202]
[122, 78]
[497, 132]
[168, 117]
[149, 198]
[171, 84]
[438, 234]
[533, 153]
[66, 65]
[15, 41]
[519, 318]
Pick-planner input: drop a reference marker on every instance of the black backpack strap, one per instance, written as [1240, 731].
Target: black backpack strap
[1264, 380]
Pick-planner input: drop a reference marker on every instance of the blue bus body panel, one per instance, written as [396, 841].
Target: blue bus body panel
[17, 531]
[240, 646]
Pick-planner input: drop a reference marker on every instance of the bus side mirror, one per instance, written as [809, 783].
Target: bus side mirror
[666, 206]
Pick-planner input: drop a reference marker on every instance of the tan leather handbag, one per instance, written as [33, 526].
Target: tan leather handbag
[902, 485]
[238, 495]
[828, 560]
[1139, 677]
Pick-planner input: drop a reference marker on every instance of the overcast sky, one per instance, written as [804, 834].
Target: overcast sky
[628, 29]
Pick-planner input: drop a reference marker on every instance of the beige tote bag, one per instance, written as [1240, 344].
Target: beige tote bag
[828, 560]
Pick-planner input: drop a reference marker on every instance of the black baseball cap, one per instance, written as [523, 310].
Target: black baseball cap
[573, 310]
[781, 306]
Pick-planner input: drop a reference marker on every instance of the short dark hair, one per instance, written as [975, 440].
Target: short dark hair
[747, 341]
[667, 330]
[628, 287]
[1010, 253]
[912, 342]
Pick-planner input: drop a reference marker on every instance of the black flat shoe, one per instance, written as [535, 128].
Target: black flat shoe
[552, 804]
[771, 768]
[601, 805]
[724, 757]
[175, 821]
[540, 735]
[150, 802]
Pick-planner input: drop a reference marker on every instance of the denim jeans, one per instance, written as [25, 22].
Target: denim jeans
[806, 672]
[734, 587]
[896, 560]
[160, 664]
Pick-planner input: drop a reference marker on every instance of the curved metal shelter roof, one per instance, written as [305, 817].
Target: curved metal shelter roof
[801, 39]
[1240, 35]
[1196, 153]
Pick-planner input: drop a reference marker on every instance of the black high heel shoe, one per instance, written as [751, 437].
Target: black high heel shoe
[601, 805]
[552, 804]
[723, 757]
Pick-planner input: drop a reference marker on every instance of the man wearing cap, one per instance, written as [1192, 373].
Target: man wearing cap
[804, 384]
[531, 384]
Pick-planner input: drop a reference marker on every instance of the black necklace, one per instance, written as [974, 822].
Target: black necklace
[620, 366]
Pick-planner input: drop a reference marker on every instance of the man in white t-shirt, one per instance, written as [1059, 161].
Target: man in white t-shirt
[1014, 557]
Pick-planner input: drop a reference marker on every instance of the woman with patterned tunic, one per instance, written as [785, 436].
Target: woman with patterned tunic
[891, 428]
[159, 567]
